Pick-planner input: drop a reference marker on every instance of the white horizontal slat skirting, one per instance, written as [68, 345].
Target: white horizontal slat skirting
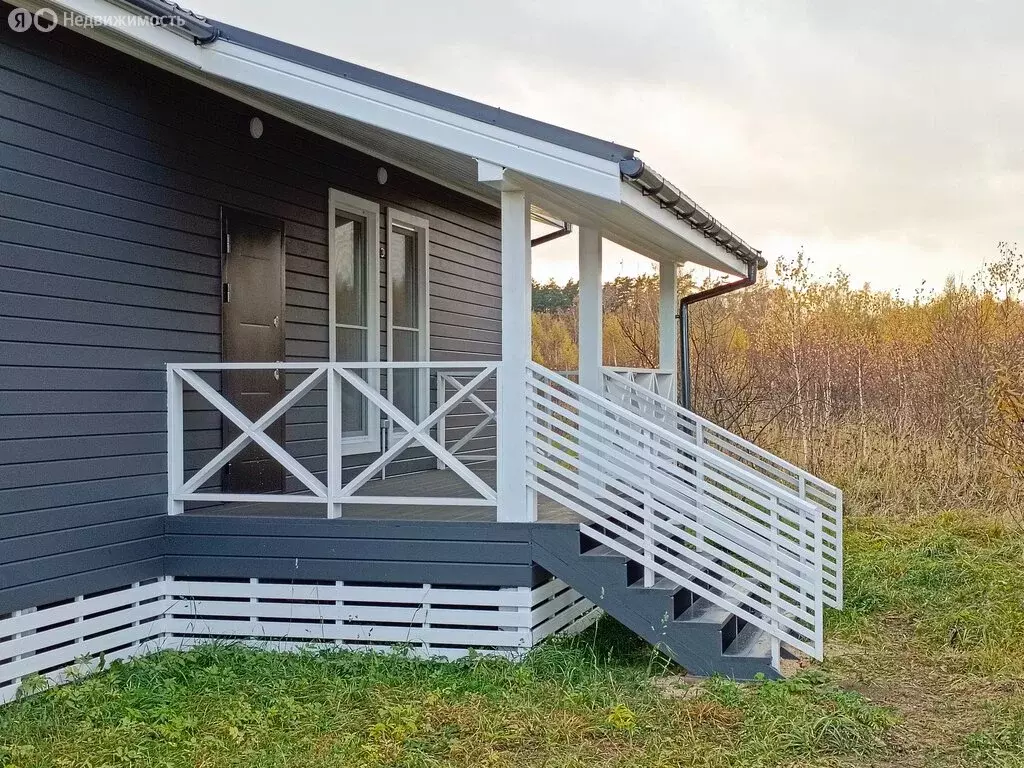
[69, 639]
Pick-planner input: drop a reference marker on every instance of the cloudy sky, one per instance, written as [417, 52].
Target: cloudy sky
[886, 138]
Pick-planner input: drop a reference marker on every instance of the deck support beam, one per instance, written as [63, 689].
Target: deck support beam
[516, 503]
[591, 330]
[668, 328]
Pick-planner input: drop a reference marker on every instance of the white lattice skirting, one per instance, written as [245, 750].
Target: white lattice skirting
[69, 638]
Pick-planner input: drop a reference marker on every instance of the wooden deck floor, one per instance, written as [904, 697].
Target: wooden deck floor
[439, 483]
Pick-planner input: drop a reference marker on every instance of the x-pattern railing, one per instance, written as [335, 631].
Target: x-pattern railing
[334, 493]
[444, 380]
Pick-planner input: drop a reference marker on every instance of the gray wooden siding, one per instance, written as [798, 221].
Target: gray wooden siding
[393, 552]
[112, 175]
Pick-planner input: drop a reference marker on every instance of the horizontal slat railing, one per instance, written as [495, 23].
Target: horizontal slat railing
[826, 499]
[682, 511]
[463, 383]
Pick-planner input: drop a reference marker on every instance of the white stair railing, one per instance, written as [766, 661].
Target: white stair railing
[826, 498]
[686, 513]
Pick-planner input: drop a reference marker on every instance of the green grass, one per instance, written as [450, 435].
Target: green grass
[923, 668]
[957, 582]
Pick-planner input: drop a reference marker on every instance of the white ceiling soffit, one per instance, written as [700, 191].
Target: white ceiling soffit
[635, 223]
[567, 184]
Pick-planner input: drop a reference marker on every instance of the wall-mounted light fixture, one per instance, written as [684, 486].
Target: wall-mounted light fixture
[382, 175]
[255, 127]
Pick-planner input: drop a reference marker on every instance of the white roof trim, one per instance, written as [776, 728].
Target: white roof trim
[664, 218]
[372, 106]
[567, 177]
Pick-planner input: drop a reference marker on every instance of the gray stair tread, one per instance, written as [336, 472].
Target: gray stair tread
[662, 584]
[603, 550]
[751, 642]
[703, 611]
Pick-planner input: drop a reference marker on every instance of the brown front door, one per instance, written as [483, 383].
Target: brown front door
[252, 331]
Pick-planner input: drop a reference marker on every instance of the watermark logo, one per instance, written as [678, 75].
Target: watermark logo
[22, 19]
[47, 19]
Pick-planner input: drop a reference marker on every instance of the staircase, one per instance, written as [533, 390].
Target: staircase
[700, 636]
[689, 536]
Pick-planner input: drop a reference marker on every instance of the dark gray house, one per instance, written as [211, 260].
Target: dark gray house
[265, 372]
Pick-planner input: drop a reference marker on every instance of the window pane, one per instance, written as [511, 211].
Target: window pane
[406, 345]
[351, 345]
[406, 395]
[350, 279]
[404, 269]
[352, 348]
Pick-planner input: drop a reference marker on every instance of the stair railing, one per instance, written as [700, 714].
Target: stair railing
[826, 498]
[686, 513]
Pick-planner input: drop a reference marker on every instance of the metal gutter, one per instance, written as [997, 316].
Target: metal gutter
[185, 22]
[654, 185]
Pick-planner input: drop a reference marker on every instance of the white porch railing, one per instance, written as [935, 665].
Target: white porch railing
[457, 380]
[826, 499]
[681, 510]
[464, 379]
[661, 383]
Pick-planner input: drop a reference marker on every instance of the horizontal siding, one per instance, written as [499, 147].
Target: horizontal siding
[112, 177]
[481, 554]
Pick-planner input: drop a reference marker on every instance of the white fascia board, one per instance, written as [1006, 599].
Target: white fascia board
[413, 119]
[381, 109]
[649, 208]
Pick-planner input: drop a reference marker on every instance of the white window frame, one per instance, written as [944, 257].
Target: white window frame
[370, 213]
[419, 224]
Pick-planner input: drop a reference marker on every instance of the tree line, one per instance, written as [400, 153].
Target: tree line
[908, 403]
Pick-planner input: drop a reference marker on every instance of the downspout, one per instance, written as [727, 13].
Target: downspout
[565, 229]
[686, 390]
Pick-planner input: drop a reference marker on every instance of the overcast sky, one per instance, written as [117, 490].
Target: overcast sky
[886, 137]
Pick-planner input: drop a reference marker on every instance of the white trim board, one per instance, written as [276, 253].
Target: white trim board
[566, 182]
[371, 106]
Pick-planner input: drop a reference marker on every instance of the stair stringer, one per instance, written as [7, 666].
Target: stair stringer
[648, 612]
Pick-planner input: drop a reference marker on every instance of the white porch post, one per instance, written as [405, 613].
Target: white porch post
[515, 502]
[668, 326]
[591, 331]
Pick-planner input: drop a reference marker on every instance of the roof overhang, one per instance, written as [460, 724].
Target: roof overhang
[443, 145]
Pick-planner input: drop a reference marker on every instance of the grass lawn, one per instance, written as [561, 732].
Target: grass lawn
[925, 667]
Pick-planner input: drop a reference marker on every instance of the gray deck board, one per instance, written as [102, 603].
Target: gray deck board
[436, 483]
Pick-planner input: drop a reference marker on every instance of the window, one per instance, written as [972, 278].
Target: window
[354, 310]
[408, 325]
